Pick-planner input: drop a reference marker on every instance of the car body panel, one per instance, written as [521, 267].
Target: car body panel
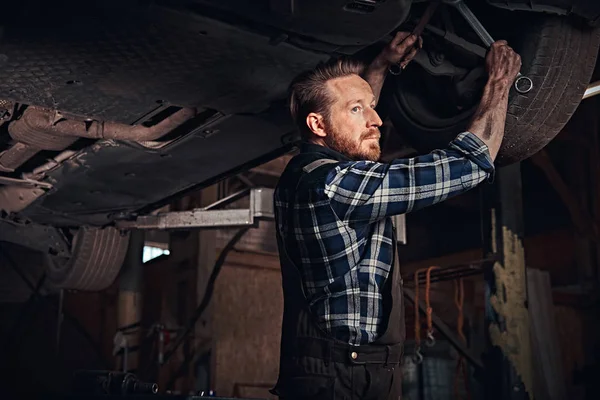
[345, 24]
[112, 179]
[116, 68]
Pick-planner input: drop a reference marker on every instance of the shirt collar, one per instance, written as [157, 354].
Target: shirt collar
[308, 147]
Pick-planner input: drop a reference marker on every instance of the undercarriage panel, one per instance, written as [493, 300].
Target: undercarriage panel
[109, 64]
[110, 179]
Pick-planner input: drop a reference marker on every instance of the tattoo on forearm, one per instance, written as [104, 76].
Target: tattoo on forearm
[487, 131]
[482, 113]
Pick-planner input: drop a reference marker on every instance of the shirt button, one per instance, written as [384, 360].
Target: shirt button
[354, 355]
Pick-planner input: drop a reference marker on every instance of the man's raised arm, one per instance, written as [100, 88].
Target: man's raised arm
[367, 191]
[489, 121]
[401, 50]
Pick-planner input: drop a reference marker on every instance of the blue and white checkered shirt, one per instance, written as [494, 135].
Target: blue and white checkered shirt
[337, 230]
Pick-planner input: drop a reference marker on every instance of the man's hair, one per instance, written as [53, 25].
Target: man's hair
[308, 91]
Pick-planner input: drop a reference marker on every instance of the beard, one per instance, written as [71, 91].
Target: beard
[357, 150]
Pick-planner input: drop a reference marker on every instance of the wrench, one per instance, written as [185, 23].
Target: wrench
[523, 84]
[396, 69]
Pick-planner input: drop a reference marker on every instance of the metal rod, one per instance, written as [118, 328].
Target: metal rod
[446, 276]
[5, 180]
[472, 20]
[228, 200]
[446, 332]
[441, 271]
[592, 90]
[522, 83]
[396, 69]
[425, 18]
[475, 264]
[192, 219]
[261, 207]
[458, 41]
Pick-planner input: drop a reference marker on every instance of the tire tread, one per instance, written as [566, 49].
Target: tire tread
[96, 260]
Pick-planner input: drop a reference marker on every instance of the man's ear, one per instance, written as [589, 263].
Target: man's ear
[316, 124]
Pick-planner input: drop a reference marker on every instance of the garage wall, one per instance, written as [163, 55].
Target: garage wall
[247, 311]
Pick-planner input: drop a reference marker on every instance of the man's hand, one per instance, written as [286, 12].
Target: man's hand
[503, 65]
[401, 50]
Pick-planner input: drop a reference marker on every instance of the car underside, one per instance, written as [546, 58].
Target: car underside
[110, 109]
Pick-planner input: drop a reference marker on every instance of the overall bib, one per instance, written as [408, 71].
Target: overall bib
[313, 364]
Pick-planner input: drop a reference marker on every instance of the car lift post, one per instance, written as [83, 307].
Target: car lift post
[508, 360]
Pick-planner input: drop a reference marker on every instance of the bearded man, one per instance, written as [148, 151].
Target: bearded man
[343, 322]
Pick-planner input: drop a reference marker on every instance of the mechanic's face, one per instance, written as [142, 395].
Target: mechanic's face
[353, 125]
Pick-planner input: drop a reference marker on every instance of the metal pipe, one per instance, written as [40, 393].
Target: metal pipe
[228, 200]
[38, 172]
[458, 41]
[48, 122]
[16, 156]
[37, 121]
[5, 180]
[592, 90]
[446, 332]
[446, 276]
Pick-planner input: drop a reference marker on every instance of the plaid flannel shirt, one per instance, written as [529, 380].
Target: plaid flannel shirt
[339, 231]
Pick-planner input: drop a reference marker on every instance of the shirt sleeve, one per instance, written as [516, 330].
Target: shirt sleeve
[368, 191]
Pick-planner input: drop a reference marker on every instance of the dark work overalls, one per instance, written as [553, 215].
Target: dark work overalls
[313, 365]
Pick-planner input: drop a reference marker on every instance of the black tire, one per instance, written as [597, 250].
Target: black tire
[558, 54]
[96, 259]
[586, 9]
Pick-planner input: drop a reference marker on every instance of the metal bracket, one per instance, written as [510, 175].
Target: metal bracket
[46, 239]
[400, 225]
[261, 208]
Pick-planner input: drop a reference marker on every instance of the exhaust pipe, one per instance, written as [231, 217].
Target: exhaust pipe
[39, 129]
[44, 121]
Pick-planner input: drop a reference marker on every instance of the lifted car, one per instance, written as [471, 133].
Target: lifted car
[110, 109]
